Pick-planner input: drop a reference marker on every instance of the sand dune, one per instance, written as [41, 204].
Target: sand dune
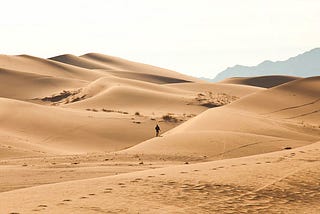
[216, 88]
[122, 64]
[63, 131]
[136, 96]
[260, 81]
[93, 110]
[150, 98]
[31, 64]
[139, 100]
[125, 68]
[77, 136]
[24, 85]
[218, 131]
[297, 100]
[214, 144]
[80, 62]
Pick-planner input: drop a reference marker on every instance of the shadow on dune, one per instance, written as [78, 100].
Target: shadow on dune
[261, 81]
[148, 77]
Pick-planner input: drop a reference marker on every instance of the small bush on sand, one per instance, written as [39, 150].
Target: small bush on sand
[137, 113]
[169, 118]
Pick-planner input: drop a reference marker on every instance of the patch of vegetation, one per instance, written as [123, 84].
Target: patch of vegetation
[169, 118]
[211, 100]
[107, 110]
[64, 97]
[56, 98]
[78, 99]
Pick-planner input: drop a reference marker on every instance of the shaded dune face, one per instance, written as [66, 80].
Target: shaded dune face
[260, 81]
[148, 77]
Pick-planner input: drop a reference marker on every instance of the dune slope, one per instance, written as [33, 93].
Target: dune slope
[24, 85]
[246, 127]
[31, 64]
[64, 131]
[297, 100]
[124, 68]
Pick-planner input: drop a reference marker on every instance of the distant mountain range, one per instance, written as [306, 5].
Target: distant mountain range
[303, 65]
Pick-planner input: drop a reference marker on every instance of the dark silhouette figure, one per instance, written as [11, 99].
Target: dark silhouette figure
[157, 128]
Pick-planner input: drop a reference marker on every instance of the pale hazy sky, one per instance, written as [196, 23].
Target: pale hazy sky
[195, 37]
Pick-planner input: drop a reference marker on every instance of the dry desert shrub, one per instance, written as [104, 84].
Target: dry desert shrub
[169, 118]
[211, 100]
[116, 111]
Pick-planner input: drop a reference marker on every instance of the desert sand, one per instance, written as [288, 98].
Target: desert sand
[77, 136]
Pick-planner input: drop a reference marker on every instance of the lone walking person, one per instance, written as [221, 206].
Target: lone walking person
[157, 128]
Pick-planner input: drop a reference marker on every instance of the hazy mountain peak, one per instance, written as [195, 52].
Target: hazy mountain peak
[303, 65]
[266, 62]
